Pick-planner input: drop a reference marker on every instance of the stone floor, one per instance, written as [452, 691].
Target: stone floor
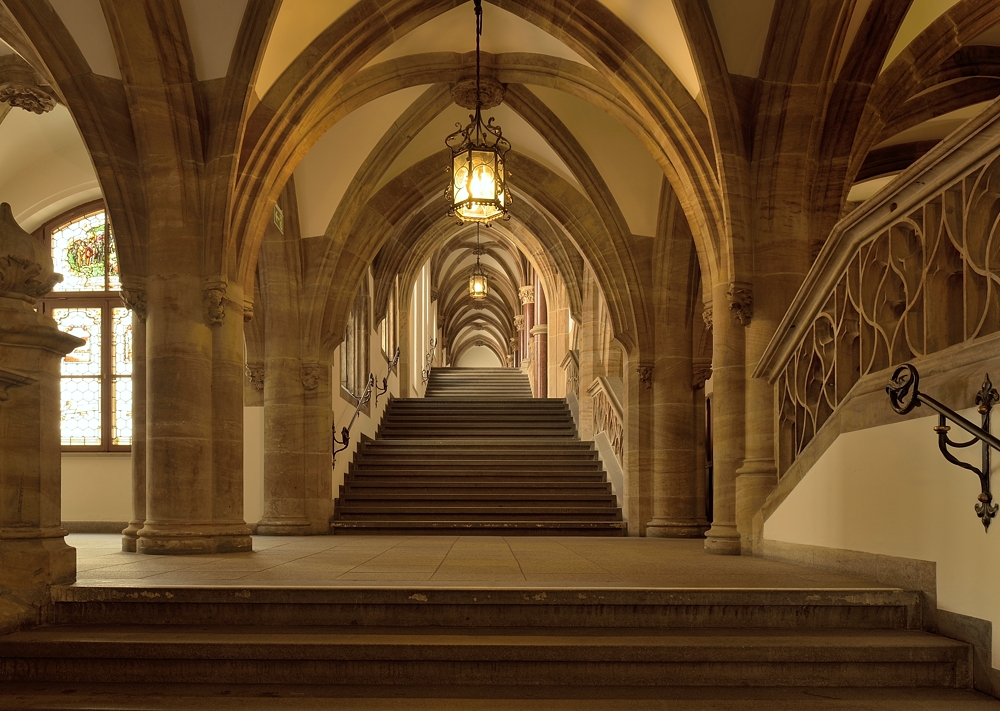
[449, 561]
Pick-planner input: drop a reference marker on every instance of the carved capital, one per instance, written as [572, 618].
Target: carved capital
[255, 374]
[740, 297]
[25, 265]
[513, 344]
[134, 299]
[701, 372]
[519, 322]
[527, 295]
[706, 316]
[247, 313]
[645, 375]
[311, 375]
[21, 86]
[215, 301]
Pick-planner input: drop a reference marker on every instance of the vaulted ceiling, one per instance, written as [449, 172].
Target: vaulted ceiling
[584, 132]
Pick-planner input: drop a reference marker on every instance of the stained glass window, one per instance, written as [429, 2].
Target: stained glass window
[96, 385]
[81, 376]
[84, 253]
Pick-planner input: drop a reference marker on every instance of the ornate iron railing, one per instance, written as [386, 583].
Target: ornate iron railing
[385, 381]
[904, 395]
[607, 417]
[345, 432]
[915, 271]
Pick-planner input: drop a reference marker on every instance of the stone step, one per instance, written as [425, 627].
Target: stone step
[868, 608]
[482, 456]
[500, 497]
[404, 488]
[464, 657]
[479, 443]
[484, 527]
[515, 511]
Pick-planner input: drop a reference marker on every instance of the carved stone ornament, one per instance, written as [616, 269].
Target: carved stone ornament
[215, 301]
[22, 87]
[645, 375]
[134, 299]
[247, 312]
[701, 372]
[519, 322]
[255, 374]
[310, 376]
[25, 266]
[527, 295]
[706, 316]
[491, 93]
[740, 298]
[513, 344]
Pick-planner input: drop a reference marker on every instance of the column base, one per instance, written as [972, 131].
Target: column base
[130, 536]
[37, 562]
[752, 489]
[722, 539]
[662, 528]
[193, 539]
[284, 526]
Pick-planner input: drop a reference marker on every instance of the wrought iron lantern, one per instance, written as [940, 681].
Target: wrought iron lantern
[478, 190]
[478, 280]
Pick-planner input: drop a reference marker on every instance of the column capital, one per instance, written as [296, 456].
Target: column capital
[519, 322]
[526, 294]
[214, 289]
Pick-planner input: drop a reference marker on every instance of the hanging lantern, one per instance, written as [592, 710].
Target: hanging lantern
[478, 280]
[478, 189]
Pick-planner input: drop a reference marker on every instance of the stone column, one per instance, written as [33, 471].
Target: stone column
[541, 334]
[759, 473]
[194, 404]
[134, 298]
[527, 296]
[730, 313]
[675, 472]
[518, 343]
[588, 348]
[33, 550]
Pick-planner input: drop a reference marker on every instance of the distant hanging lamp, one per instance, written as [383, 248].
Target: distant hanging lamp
[478, 190]
[478, 281]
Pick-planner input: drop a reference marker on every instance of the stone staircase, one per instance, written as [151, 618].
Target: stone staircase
[302, 642]
[477, 455]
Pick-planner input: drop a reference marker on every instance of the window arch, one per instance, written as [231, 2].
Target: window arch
[354, 349]
[96, 382]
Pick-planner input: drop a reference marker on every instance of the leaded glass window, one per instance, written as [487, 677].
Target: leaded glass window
[354, 349]
[96, 384]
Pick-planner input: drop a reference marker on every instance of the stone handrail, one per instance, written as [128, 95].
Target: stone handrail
[571, 365]
[914, 270]
[608, 415]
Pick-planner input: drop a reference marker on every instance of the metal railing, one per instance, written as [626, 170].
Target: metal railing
[385, 381]
[904, 395]
[345, 433]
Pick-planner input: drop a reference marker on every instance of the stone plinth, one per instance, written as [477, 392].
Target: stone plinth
[33, 552]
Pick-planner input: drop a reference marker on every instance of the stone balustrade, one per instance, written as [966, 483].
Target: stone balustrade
[607, 417]
[913, 271]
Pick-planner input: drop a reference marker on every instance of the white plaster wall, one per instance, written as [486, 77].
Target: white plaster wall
[888, 490]
[96, 486]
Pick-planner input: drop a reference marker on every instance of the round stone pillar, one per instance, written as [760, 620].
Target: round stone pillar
[135, 300]
[194, 401]
[33, 550]
[731, 311]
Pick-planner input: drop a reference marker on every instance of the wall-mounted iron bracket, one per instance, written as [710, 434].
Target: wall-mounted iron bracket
[345, 432]
[904, 395]
[384, 388]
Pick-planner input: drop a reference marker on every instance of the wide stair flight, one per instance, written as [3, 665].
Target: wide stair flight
[477, 455]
